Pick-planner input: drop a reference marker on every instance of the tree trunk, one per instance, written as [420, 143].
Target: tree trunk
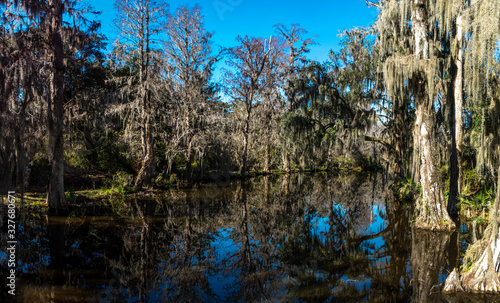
[267, 158]
[55, 193]
[459, 102]
[21, 178]
[189, 165]
[454, 164]
[147, 162]
[302, 163]
[7, 163]
[285, 157]
[484, 275]
[6, 148]
[244, 155]
[266, 190]
[456, 128]
[431, 205]
[243, 166]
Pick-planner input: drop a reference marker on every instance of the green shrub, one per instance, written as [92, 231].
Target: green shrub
[122, 179]
[76, 158]
[173, 178]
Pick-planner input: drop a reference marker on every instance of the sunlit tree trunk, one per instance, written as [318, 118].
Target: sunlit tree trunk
[484, 275]
[55, 194]
[456, 127]
[431, 205]
[249, 85]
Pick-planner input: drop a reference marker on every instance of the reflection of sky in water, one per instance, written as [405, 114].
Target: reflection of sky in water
[225, 248]
[300, 249]
[321, 226]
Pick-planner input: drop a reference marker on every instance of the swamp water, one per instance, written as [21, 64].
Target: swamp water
[292, 238]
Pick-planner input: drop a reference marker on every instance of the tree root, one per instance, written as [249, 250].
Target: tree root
[453, 283]
[488, 283]
[483, 277]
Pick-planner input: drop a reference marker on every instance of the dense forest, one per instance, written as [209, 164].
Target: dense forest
[416, 96]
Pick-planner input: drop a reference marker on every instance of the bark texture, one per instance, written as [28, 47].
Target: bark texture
[431, 205]
[484, 274]
[456, 126]
[481, 268]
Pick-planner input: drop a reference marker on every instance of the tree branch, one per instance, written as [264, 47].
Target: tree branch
[381, 141]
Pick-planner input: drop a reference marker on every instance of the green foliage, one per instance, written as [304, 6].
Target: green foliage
[407, 188]
[295, 124]
[173, 178]
[480, 200]
[122, 179]
[344, 162]
[110, 156]
[445, 174]
[120, 184]
[76, 158]
[69, 194]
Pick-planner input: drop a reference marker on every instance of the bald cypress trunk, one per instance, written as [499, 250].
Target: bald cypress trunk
[484, 274]
[431, 204]
[430, 207]
[55, 193]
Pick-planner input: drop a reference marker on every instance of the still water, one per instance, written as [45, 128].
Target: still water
[292, 238]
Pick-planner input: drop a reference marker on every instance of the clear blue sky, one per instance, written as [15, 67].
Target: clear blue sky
[229, 18]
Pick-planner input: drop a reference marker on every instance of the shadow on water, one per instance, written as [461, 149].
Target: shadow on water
[298, 238]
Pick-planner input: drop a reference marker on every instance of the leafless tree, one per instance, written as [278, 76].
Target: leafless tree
[190, 65]
[250, 68]
[140, 25]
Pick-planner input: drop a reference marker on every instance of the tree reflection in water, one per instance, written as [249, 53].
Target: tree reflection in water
[427, 259]
[288, 238]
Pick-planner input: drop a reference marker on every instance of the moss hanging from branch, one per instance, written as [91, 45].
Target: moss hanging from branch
[412, 39]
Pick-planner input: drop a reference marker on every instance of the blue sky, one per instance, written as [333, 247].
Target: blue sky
[230, 18]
